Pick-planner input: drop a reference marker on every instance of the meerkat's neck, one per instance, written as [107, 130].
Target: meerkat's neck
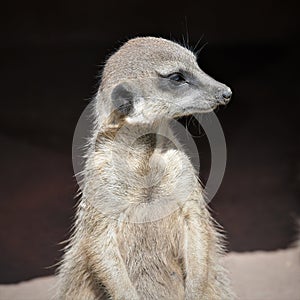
[141, 162]
[141, 137]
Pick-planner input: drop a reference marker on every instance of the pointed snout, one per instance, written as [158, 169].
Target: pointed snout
[220, 93]
[224, 94]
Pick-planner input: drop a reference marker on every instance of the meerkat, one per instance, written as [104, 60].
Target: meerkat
[143, 229]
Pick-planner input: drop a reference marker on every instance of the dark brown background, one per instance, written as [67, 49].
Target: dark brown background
[51, 52]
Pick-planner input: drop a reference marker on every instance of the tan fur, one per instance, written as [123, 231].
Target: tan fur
[143, 230]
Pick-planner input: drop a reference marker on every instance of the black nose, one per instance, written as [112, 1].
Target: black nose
[227, 94]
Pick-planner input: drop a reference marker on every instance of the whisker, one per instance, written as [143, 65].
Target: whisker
[197, 44]
[202, 47]
[187, 33]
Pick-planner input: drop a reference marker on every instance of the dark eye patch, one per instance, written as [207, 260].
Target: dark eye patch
[178, 80]
[177, 77]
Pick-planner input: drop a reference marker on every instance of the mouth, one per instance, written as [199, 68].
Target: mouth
[187, 111]
[221, 102]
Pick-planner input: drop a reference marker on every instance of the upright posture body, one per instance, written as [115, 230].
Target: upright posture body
[143, 230]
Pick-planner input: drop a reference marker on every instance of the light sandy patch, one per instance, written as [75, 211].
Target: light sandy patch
[255, 276]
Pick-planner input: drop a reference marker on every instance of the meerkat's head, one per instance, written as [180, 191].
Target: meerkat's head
[149, 78]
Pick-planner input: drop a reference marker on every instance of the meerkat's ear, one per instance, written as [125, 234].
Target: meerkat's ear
[122, 98]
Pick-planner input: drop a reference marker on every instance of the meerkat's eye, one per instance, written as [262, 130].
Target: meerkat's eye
[177, 77]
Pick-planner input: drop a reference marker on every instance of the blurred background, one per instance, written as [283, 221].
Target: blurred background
[51, 54]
